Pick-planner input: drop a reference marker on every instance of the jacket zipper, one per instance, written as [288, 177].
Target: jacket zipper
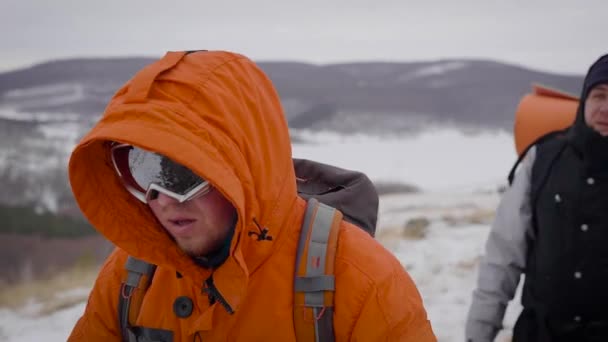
[214, 294]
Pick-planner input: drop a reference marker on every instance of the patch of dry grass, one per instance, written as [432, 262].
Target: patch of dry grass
[416, 228]
[468, 265]
[388, 235]
[389, 188]
[504, 336]
[57, 304]
[47, 291]
[478, 216]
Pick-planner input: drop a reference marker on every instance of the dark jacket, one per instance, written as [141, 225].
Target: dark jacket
[552, 225]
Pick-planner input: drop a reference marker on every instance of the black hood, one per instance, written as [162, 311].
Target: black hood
[592, 146]
[597, 74]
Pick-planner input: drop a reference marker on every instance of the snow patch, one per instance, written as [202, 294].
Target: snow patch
[431, 160]
[432, 70]
[12, 113]
[58, 89]
[440, 68]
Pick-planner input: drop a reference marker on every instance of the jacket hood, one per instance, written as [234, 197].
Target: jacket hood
[216, 113]
[597, 73]
[591, 145]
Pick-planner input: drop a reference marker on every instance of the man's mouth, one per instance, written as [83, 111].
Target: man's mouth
[181, 222]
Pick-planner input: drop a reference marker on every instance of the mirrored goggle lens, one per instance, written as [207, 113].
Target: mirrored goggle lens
[140, 169]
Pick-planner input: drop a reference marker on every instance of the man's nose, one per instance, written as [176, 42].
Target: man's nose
[165, 200]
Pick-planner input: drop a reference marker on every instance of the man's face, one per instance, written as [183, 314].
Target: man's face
[199, 226]
[596, 109]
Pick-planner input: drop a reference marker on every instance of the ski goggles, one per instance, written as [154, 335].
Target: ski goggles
[146, 174]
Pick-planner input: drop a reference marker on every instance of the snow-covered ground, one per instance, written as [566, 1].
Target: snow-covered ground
[26, 326]
[433, 160]
[443, 262]
[459, 175]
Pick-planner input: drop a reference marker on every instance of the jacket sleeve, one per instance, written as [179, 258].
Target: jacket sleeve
[393, 311]
[100, 319]
[505, 257]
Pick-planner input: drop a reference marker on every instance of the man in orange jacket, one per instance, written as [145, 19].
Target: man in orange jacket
[190, 169]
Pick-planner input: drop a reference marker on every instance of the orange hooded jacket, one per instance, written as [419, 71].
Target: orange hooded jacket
[218, 114]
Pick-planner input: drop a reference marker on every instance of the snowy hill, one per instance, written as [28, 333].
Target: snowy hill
[336, 97]
[432, 159]
[45, 109]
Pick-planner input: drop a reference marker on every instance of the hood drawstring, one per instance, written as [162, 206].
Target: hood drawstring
[263, 232]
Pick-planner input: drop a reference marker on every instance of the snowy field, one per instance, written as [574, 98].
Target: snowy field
[459, 175]
[432, 160]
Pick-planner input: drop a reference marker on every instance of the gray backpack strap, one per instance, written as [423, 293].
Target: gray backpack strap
[314, 282]
[139, 276]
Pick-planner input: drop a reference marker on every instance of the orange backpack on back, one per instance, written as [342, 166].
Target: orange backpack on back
[542, 111]
[541, 114]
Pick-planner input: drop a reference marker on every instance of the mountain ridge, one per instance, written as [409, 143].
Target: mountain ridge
[472, 92]
[46, 108]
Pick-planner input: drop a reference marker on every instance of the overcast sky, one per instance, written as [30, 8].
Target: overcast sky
[562, 36]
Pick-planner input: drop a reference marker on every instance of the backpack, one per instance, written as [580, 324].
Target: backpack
[541, 115]
[332, 194]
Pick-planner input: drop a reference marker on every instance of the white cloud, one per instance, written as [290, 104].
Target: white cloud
[559, 36]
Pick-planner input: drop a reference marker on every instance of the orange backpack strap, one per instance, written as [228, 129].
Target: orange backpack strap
[138, 278]
[314, 282]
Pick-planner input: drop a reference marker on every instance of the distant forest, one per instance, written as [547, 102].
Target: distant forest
[25, 220]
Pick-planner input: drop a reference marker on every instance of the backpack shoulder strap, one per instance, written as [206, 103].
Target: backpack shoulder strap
[137, 280]
[547, 155]
[525, 151]
[314, 282]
